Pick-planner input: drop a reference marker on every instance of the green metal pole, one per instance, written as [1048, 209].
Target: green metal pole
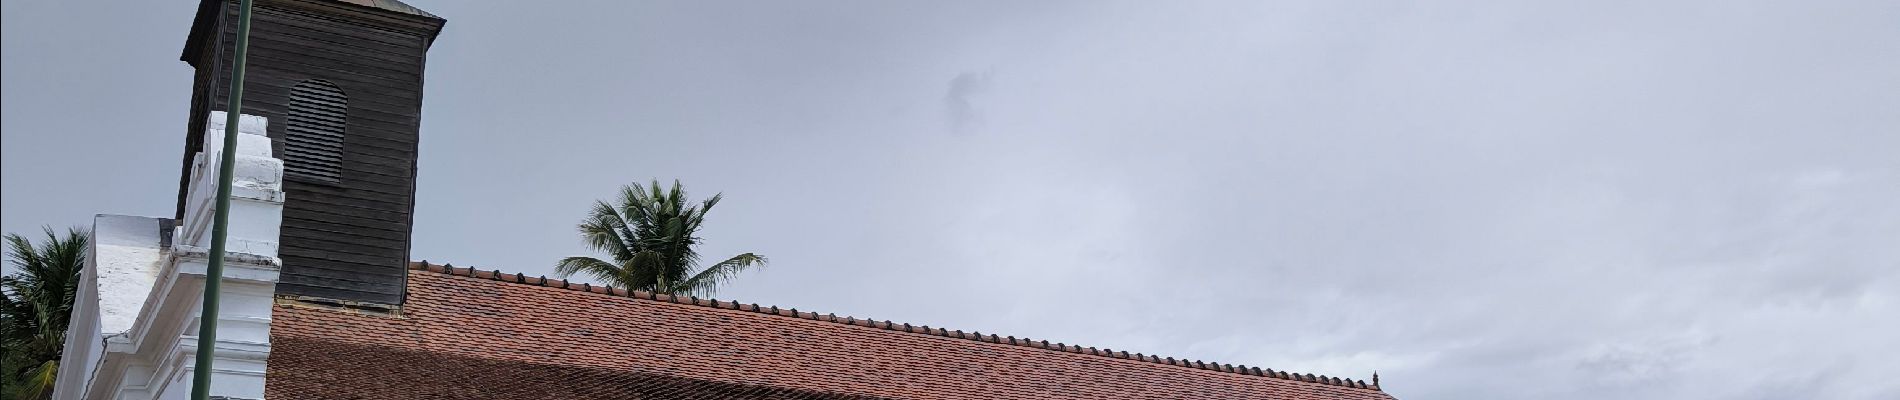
[214, 271]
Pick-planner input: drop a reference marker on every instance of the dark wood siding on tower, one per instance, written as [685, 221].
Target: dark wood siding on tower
[346, 239]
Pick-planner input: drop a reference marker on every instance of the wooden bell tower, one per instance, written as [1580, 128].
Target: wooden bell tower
[341, 84]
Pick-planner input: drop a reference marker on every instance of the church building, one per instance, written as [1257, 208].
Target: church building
[320, 299]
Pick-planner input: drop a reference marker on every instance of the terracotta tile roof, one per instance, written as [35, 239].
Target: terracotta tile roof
[464, 333]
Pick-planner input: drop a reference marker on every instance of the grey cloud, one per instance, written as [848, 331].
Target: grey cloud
[958, 108]
[1620, 365]
[1479, 199]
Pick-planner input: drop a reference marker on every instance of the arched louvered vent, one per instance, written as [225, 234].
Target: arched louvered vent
[313, 136]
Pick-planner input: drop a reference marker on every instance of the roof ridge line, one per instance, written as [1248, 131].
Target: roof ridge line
[544, 281]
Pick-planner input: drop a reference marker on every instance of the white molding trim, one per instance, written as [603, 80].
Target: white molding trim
[152, 358]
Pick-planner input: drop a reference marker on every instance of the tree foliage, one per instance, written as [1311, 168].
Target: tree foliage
[648, 238]
[35, 303]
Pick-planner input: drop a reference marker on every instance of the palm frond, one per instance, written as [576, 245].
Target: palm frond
[601, 270]
[39, 381]
[677, 243]
[709, 279]
[709, 203]
[647, 270]
[606, 231]
[636, 206]
[675, 198]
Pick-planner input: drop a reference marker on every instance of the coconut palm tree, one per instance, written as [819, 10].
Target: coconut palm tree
[34, 303]
[648, 237]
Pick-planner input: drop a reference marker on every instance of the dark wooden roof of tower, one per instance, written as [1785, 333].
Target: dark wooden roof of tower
[207, 20]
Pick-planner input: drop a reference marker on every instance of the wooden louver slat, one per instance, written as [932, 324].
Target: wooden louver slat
[313, 134]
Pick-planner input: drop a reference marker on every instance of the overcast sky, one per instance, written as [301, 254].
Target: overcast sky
[1480, 200]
